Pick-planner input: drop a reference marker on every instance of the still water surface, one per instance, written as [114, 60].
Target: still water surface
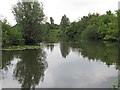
[87, 64]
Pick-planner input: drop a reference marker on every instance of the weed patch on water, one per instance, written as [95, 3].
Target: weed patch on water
[24, 47]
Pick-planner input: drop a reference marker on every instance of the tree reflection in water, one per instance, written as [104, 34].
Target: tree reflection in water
[64, 48]
[106, 52]
[30, 70]
[7, 57]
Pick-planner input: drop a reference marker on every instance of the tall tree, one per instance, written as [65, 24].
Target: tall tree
[51, 20]
[52, 26]
[64, 23]
[30, 16]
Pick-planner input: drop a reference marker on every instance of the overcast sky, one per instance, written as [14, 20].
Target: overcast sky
[74, 9]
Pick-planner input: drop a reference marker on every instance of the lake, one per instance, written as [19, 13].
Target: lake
[85, 64]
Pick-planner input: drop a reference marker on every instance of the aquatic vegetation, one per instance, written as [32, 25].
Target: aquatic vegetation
[24, 47]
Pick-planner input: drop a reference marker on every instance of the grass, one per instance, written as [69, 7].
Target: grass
[23, 47]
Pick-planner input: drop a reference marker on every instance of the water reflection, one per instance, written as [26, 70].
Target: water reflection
[64, 48]
[29, 71]
[71, 64]
[92, 50]
[104, 51]
[7, 57]
[50, 46]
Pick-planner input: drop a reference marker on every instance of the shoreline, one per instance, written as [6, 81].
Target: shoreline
[22, 47]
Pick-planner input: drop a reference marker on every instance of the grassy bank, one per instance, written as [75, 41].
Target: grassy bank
[23, 47]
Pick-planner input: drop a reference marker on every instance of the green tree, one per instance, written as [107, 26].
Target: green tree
[45, 28]
[30, 16]
[64, 23]
[95, 26]
[90, 32]
[10, 35]
[109, 13]
[75, 30]
[5, 37]
[118, 20]
[52, 26]
[108, 27]
[15, 37]
[51, 20]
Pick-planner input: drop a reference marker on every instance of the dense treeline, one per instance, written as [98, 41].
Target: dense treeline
[11, 35]
[30, 16]
[32, 28]
[95, 26]
[31, 25]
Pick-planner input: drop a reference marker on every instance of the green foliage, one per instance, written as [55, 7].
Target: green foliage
[30, 16]
[22, 47]
[72, 31]
[90, 32]
[118, 20]
[108, 27]
[10, 35]
[95, 26]
[102, 30]
[51, 20]
[64, 23]
[15, 37]
[76, 28]
[52, 26]
[56, 26]
[45, 29]
[52, 35]
[112, 32]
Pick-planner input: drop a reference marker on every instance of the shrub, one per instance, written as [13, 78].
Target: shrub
[11, 35]
[90, 32]
[16, 37]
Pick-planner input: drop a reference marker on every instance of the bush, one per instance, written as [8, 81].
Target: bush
[112, 32]
[90, 32]
[16, 37]
[11, 36]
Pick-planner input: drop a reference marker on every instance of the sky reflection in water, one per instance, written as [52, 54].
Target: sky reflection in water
[60, 65]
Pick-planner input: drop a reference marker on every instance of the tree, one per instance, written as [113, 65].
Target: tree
[30, 16]
[51, 20]
[64, 23]
[75, 30]
[90, 32]
[109, 13]
[52, 26]
[118, 18]
[11, 35]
